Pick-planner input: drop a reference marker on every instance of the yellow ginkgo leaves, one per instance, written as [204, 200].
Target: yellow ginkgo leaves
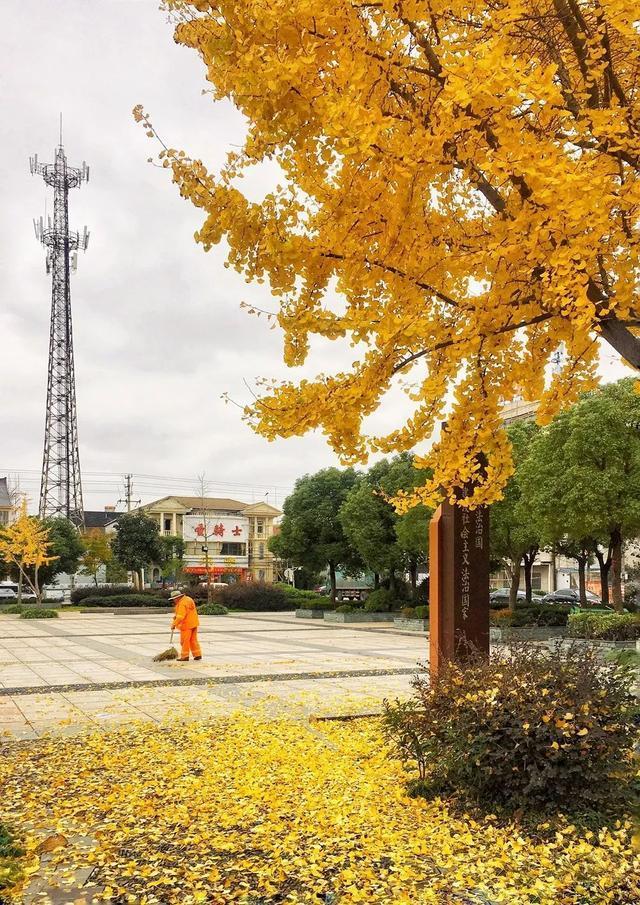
[460, 200]
[246, 810]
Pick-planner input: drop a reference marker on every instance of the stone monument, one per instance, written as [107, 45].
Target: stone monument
[458, 584]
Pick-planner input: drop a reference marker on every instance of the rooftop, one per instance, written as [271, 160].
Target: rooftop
[100, 518]
[5, 498]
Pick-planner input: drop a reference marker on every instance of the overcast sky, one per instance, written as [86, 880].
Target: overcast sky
[158, 330]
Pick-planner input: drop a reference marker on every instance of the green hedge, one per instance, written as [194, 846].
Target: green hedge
[530, 616]
[254, 597]
[35, 612]
[415, 612]
[297, 592]
[213, 609]
[14, 608]
[122, 600]
[320, 603]
[605, 627]
[382, 601]
[79, 595]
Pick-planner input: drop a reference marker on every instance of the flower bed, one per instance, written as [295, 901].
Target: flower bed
[284, 812]
[411, 625]
[526, 633]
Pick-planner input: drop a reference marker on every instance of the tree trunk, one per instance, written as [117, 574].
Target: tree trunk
[604, 565]
[616, 570]
[515, 584]
[376, 581]
[529, 559]
[413, 573]
[552, 570]
[332, 579]
[582, 583]
[392, 581]
[20, 586]
[527, 579]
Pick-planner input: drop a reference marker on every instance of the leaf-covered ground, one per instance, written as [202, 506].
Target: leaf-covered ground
[259, 811]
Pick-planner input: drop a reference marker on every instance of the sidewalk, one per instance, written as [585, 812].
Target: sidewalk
[82, 672]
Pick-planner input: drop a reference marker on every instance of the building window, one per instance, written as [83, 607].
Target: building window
[260, 527]
[233, 550]
[261, 574]
[4, 517]
[261, 551]
[167, 524]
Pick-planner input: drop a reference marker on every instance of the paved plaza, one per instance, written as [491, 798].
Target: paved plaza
[83, 671]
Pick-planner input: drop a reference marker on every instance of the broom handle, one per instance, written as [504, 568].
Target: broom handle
[171, 642]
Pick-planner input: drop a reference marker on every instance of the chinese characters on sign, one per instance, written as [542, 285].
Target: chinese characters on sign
[465, 576]
[480, 520]
[459, 584]
[216, 528]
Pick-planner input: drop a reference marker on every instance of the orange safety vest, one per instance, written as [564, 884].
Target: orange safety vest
[186, 613]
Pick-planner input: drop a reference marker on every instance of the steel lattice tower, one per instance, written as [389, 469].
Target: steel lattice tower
[61, 489]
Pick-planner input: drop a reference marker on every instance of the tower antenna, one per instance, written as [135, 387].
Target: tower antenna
[60, 488]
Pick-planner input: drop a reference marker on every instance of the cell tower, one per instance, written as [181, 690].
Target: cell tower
[60, 488]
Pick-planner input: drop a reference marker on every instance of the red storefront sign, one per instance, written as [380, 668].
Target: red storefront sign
[217, 571]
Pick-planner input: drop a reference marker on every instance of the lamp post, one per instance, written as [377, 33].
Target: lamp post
[205, 550]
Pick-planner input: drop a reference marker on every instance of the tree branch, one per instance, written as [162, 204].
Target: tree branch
[622, 340]
[452, 342]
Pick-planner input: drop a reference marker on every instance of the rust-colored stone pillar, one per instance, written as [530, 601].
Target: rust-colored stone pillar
[458, 584]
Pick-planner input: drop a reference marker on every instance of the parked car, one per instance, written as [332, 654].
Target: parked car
[501, 596]
[9, 591]
[572, 596]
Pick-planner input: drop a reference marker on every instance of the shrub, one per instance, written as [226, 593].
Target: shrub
[213, 609]
[320, 603]
[532, 730]
[14, 608]
[296, 592]
[254, 597]
[605, 626]
[125, 600]
[35, 612]
[422, 612]
[78, 595]
[382, 601]
[346, 608]
[408, 612]
[536, 614]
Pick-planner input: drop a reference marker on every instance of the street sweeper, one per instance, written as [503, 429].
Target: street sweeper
[185, 619]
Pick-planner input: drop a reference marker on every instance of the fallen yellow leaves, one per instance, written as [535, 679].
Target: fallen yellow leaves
[250, 810]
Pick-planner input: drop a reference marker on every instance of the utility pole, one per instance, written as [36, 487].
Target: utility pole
[128, 492]
[205, 522]
[60, 489]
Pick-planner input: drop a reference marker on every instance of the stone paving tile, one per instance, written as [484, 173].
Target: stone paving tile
[99, 650]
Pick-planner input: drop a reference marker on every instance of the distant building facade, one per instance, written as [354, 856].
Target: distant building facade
[225, 536]
[6, 503]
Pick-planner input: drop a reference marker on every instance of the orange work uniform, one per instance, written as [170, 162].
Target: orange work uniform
[186, 619]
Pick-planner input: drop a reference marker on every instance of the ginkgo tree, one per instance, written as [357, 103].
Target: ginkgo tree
[460, 196]
[25, 545]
